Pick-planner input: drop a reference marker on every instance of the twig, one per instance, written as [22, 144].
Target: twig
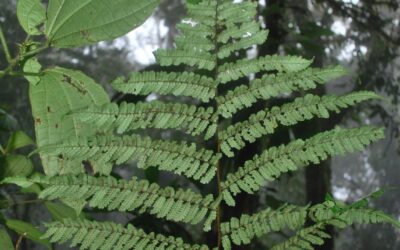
[5, 46]
[18, 244]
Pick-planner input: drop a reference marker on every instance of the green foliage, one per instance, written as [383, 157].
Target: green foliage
[71, 24]
[338, 215]
[179, 158]
[273, 85]
[31, 14]
[178, 84]
[275, 161]
[112, 194]
[242, 68]
[303, 108]
[108, 235]
[243, 230]
[16, 165]
[28, 231]
[5, 240]
[58, 93]
[18, 140]
[160, 115]
[76, 124]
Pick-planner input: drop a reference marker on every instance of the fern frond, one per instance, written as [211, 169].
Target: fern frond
[178, 158]
[107, 236]
[241, 68]
[247, 227]
[178, 84]
[112, 194]
[127, 116]
[272, 85]
[198, 59]
[278, 160]
[303, 108]
[247, 41]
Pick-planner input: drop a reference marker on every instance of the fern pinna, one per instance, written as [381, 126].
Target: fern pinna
[215, 74]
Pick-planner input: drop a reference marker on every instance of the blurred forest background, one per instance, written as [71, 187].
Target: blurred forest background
[362, 35]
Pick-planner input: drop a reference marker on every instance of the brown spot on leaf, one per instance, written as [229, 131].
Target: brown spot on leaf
[38, 121]
[69, 80]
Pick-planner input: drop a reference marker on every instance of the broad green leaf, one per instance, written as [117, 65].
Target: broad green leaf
[28, 231]
[31, 14]
[32, 66]
[18, 140]
[59, 92]
[34, 188]
[76, 23]
[5, 240]
[18, 180]
[7, 121]
[16, 165]
[60, 211]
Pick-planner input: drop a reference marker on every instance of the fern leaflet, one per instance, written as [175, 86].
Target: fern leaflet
[126, 116]
[112, 194]
[179, 158]
[271, 85]
[107, 235]
[178, 84]
[301, 109]
[243, 230]
[278, 160]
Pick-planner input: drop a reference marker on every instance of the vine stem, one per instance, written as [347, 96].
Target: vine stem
[5, 46]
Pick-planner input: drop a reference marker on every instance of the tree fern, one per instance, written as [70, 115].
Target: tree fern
[212, 72]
